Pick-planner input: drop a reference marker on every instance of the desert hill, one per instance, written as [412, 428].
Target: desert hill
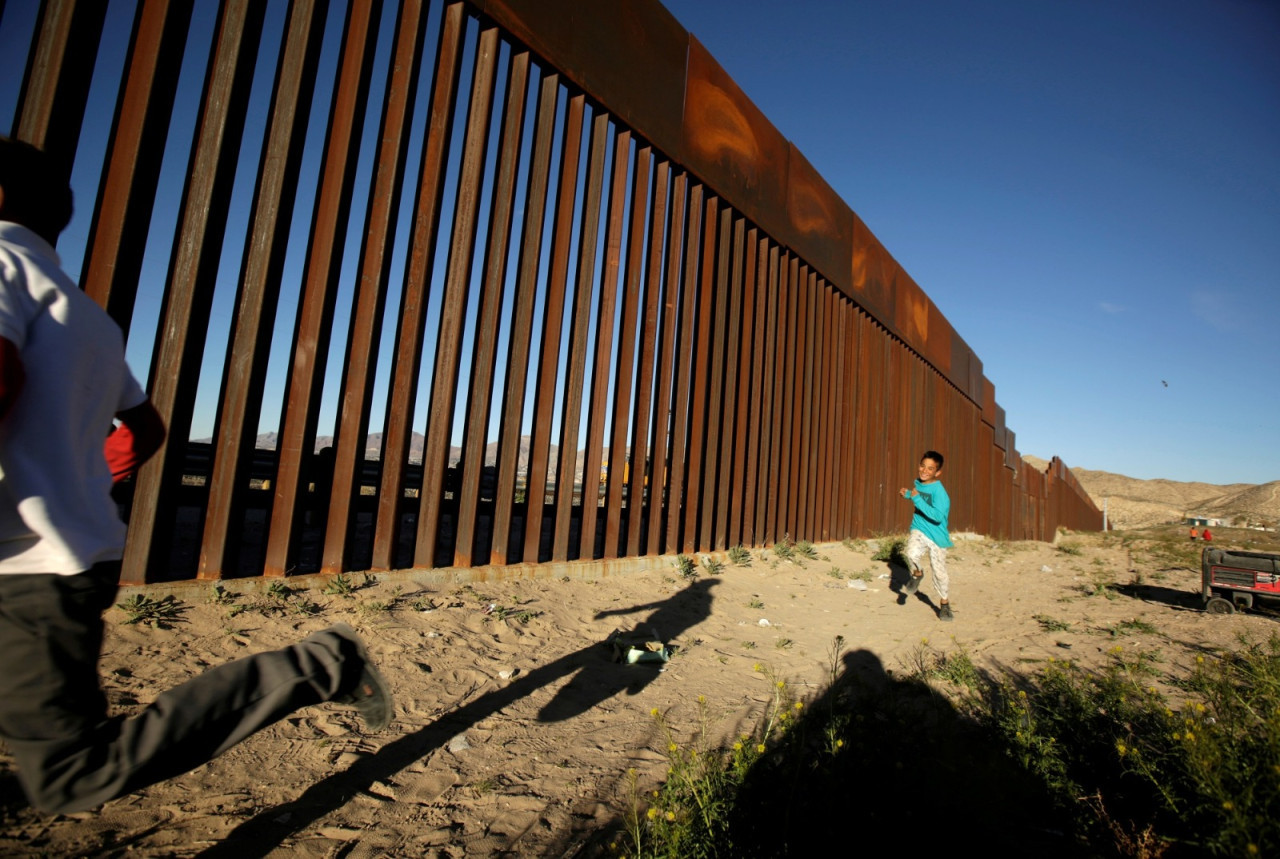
[1134, 503]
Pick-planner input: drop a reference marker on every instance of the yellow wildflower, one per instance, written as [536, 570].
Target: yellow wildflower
[653, 814]
[839, 744]
[799, 706]
[1228, 805]
[760, 748]
[671, 747]
[654, 712]
[671, 815]
[1121, 749]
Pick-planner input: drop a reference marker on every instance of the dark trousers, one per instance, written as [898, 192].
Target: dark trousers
[53, 715]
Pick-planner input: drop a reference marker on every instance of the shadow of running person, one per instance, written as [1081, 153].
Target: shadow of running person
[594, 679]
[888, 766]
[600, 678]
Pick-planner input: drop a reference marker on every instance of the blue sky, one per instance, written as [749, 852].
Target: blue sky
[1088, 190]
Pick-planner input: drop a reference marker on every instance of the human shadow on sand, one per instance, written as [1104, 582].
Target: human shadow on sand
[912, 776]
[594, 679]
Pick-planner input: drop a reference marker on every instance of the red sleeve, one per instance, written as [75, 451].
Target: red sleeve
[140, 434]
[12, 375]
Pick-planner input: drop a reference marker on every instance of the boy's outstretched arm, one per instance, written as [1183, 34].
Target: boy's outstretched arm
[140, 434]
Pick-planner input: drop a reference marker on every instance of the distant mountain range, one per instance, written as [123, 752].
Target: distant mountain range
[1135, 503]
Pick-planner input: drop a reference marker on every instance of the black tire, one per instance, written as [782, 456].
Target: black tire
[1217, 605]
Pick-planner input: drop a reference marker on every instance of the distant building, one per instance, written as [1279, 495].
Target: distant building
[1202, 521]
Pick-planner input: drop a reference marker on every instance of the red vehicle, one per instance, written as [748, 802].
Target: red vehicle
[1233, 579]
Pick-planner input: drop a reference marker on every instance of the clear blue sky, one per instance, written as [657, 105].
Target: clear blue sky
[1088, 190]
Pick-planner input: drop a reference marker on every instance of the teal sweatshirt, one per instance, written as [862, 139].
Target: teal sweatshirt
[933, 506]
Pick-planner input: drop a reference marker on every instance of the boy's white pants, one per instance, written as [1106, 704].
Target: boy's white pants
[917, 545]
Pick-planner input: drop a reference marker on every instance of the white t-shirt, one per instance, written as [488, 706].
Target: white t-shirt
[56, 512]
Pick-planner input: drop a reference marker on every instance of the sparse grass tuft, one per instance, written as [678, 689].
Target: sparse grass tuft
[712, 566]
[685, 567]
[1049, 624]
[740, 556]
[892, 550]
[157, 614]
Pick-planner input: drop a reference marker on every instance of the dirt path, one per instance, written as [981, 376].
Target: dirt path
[515, 729]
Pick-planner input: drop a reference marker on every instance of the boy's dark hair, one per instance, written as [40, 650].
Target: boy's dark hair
[934, 455]
[37, 188]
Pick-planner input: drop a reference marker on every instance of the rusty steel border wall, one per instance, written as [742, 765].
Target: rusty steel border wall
[770, 372]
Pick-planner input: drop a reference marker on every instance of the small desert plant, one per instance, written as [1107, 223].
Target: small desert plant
[783, 644]
[340, 586]
[1050, 624]
[712, 566]
[784, 549]
[835, 573]
[685, 567]
[892, 550]
[755, 602]
[218, 595]
[1070, 547]
[740, 556]
[805, 550]
[158, 614]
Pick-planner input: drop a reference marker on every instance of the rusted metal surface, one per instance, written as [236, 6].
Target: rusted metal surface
[760, 367]
[598, 408]
[314, 325]
[552, 318]
[406, 362]
[488, 322]
[663, 491]
[579, 332]
[59, 70]
[259, 292]
[457, 282]
[713, 478]
[678, 491]
[122, 215]
[623, 464]
[695, 454]
[751, 391]
[190, 285]
[644, 481]
[509, 436]
[748, 358]
[371, 283]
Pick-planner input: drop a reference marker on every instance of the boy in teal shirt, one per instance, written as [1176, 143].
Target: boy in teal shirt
[929, 529]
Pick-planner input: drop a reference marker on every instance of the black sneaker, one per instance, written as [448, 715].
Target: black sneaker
[370, 697]
[913, 584]
[944, 613]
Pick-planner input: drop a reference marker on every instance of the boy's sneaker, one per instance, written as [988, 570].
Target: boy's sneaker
[371, 697]
[944, 613]
[913, 584]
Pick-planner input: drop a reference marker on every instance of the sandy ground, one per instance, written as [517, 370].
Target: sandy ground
[515, 729]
